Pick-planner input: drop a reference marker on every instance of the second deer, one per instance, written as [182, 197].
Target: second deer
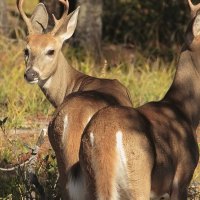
[149, 152]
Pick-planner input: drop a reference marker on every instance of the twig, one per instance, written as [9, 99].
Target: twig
[31, 165]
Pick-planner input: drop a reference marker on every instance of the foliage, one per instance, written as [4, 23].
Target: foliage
[14, 185]
[25, 174]
[156, 27]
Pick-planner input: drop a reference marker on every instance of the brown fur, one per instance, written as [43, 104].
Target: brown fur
[159, 138]
[57, 79]
[64, 78]
[79, 107]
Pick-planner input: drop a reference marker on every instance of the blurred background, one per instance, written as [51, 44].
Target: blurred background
[154, 28]
[136, 42]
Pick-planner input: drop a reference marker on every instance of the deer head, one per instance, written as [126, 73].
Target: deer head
[42, 49]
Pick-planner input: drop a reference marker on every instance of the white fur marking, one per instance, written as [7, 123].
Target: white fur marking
[65, 123]
[48, 83]
[44, 131]
[89, 118]
[120, 147]
[154, 196]
[34, 81]
[92, 139]
[122, 176]
[76, 188]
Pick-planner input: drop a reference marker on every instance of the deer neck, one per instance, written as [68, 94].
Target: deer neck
[63, 81]
[184, 92]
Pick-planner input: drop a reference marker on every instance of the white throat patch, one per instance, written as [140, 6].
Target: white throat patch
[48, 83]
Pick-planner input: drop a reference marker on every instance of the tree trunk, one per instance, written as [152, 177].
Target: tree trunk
[53, 7]
[89, 31]
[56, 8]
[3, 18]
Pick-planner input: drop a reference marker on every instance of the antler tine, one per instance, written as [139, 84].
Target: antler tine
[57, 22]
[66, 5]
[25, 18]
[194, 8]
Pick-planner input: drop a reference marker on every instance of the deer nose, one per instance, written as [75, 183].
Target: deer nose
[31, 76]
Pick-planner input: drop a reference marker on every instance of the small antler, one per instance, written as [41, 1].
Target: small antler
[59, 22]
[24, 17]
[194, 8]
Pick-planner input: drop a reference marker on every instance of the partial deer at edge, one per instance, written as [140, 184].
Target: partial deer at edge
[149, 152]
[75, 95]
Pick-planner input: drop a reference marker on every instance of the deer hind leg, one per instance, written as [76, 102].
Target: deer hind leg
[178, 191]
[106, 164]
[98, 159]
[181, 182]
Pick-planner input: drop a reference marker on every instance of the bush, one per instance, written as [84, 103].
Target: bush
[156, 27]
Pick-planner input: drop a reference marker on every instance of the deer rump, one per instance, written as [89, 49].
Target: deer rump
[138, 153]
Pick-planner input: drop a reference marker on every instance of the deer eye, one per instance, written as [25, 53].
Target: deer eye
[26, 52]
[50, 52]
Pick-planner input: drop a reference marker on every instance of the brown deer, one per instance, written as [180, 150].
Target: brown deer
[149, 152]
[75, 95]
[46, 64]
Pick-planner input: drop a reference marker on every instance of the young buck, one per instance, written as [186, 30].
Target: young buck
[149, 152]
[76, 95]
[47, 66]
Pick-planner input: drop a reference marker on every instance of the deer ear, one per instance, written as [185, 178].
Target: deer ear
[39, 18]
[68, 27]
[196, 25]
